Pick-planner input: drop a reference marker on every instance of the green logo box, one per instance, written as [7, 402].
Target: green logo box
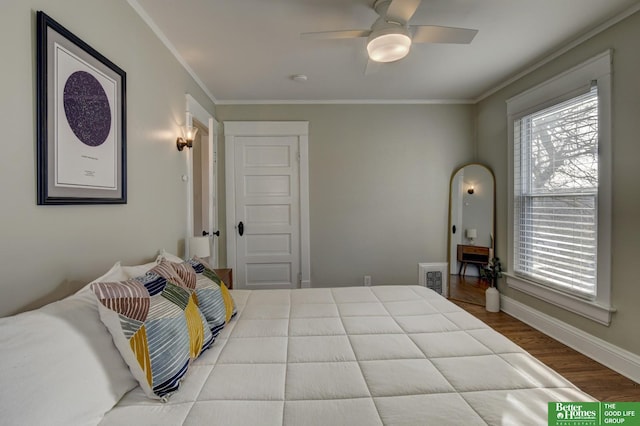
[594, 413]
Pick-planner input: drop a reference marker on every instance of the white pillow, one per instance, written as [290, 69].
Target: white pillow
[58, 364]
[116, 273]
[119, 273]
[170, 257]
[133, 271]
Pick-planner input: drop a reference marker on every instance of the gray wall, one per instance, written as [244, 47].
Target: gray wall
[379, 184]
[492, 146]
[48, 251]
[379, 173]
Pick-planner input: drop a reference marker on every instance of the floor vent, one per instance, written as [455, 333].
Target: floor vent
[434, 276]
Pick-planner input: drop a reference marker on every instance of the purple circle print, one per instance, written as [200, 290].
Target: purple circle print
[87, 108]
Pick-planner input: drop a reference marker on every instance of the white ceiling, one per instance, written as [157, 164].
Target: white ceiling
[247, 50]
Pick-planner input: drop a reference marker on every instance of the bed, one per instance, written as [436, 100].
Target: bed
[382, 355]
[355, 356]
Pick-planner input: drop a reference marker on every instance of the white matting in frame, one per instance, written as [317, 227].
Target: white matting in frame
[85, 155]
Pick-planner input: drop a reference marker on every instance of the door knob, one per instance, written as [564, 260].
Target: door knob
[241, 228]
[205, 233]
[453, 229]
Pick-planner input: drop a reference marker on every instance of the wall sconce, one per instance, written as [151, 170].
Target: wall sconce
[471, 190]
[189, 132]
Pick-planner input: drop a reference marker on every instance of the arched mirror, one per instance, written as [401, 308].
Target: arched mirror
[471, 231]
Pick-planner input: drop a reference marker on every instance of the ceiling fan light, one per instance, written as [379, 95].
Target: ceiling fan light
[388, 47]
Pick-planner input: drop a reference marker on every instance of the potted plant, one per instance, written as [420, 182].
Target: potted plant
[491, 272]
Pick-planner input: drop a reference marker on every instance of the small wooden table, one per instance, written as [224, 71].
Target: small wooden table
[226, 275]
[476, 255]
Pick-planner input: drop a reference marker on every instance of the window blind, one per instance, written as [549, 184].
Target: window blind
[555, 195]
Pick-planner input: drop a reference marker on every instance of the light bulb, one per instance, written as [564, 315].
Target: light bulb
[388, 47]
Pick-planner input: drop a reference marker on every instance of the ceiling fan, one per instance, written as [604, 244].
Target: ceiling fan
[391, 36]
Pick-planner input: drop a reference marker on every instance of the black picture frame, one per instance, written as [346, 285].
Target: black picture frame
[81, 121]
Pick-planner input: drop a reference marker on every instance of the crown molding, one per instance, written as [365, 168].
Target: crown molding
[348, 102]
[545, 60]
[564, 49]
[156, 30]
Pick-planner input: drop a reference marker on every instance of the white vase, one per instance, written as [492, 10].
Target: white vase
[492, 296]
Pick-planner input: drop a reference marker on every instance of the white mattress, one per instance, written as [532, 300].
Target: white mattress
[393, 355]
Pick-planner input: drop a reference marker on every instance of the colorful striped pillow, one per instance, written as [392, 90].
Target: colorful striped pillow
[205, 273]
[185, 272]
[208, 293]
[157, 327]
[181, 276]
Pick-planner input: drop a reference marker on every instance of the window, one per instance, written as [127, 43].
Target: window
[555, 193]
[560, 190]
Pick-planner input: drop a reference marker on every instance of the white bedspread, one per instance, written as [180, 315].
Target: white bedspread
[393, 355]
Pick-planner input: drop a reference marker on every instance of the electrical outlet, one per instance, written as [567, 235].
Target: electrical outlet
[367, 280]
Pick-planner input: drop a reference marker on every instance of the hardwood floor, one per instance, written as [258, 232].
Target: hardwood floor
[592, 377]
[467, 289]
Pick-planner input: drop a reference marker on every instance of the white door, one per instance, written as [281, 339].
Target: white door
[265, 209]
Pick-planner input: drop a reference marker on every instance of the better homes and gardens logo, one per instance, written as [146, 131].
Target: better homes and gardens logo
[594, 413]
[574, 413]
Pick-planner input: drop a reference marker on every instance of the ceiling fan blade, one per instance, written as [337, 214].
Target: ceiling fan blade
[436, 34]
[328, 35]
[402, 10]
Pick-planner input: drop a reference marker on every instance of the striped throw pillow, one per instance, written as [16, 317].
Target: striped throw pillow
[208, 293]
[206, 274]
[157, 327]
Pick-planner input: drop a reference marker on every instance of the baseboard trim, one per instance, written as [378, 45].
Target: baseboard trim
[614, 357]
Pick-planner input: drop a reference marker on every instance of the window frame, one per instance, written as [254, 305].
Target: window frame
[564, 86]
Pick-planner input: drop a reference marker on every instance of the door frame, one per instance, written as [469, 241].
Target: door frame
[300, 129]
[455, 218]
[197, 111]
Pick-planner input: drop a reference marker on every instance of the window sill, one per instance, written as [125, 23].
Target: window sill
[588, 309]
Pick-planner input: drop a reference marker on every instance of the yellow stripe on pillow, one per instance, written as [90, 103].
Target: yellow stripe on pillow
[139, 347]
[195, 327]
[228, 301]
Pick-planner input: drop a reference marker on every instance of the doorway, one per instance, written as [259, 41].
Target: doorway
[267, 204]
[202, 206]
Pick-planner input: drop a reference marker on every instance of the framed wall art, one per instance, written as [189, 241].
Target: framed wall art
[81, 136]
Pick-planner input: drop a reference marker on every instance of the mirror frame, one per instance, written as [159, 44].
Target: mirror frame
[453, 174]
